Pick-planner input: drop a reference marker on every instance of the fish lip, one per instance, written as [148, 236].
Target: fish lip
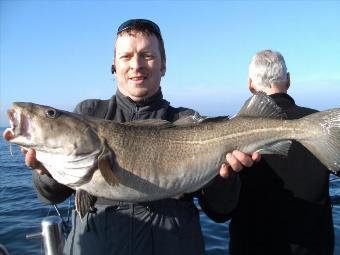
[9, 133]
[19, 125]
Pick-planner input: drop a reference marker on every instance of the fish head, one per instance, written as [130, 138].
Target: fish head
[50, 130]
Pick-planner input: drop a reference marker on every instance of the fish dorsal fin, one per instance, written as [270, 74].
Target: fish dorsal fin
[149, 123]
[84, 202]
[261, 105]
[190, 120]
[216, 119]
[197, 119]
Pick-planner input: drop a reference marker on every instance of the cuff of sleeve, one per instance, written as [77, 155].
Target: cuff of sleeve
[221, 195]
[48, 190]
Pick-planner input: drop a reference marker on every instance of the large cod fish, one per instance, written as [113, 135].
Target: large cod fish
[154, 159]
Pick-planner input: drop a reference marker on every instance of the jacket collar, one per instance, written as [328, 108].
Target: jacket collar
[149, 104]
[283, 100]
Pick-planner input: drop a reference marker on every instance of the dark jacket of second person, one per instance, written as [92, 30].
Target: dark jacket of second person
[284, 205]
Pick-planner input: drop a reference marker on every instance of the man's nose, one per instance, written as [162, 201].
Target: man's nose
[136, 62]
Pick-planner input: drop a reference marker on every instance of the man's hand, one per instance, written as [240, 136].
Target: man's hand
[32, 162]
[236, 161]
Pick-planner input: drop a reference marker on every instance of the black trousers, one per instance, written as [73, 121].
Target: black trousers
[164, 227]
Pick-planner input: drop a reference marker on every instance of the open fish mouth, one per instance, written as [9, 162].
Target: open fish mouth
[19, 125]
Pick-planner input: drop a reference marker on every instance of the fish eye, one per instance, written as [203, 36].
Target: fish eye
[51, 113]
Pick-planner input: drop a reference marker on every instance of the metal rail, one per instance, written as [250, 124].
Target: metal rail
[52, 235]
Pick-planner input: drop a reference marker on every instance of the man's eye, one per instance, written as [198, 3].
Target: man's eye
[148, 56]
[124, 57]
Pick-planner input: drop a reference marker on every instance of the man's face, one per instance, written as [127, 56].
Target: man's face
[138, 65]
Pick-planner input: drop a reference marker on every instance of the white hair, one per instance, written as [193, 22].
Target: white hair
[266, 68]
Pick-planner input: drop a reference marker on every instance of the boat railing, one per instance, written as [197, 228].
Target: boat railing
[53, 235]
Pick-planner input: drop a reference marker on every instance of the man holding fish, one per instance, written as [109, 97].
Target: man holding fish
[166, 226]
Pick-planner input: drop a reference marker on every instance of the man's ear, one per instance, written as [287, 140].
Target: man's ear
[251, 86]
[113, 69]
[163, 69]
[288, 80]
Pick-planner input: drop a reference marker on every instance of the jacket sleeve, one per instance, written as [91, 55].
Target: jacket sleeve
[49, 191]
[219, 198]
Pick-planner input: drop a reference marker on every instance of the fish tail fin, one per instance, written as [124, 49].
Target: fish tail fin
[325, 141]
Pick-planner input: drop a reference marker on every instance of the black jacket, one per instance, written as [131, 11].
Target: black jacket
[284, 205]
[168, 226]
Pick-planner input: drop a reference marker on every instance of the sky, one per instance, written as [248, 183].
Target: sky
[59, 53]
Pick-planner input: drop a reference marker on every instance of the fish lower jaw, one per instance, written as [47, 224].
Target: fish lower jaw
[8, 134]
[18, 139]
[14, 136]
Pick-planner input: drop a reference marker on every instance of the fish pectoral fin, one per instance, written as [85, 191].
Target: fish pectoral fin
[280, 148]
[106, 164]
[105, 167]
[84, 201]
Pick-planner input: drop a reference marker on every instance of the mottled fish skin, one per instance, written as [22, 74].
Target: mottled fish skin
[154, 159]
